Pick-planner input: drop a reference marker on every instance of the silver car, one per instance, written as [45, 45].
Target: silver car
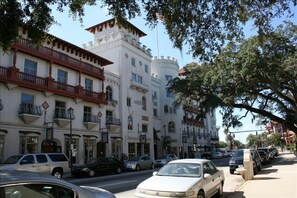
[30, 185]
[140, 162]
[187, 178]
[165, 159]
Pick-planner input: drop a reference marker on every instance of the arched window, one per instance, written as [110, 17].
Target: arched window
[144, 103]
[171, 127]
[130, 123]
[108, 93]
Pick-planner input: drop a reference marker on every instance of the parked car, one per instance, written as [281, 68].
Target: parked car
[140, 162]
[99, 166]
[217, 155]
[269, 151]
[236, 161]
[30, 185]
[264, 157]
[165, 159]
[183, 178]
[56, 164]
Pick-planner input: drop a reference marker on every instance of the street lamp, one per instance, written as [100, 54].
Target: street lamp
[99, 116]
[165, 139]
[70, 112]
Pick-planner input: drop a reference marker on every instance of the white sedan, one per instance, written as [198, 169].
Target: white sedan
[187, 178]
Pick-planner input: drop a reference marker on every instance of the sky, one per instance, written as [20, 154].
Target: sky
[156, 39]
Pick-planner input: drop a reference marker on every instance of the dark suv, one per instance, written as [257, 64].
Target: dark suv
[236, 161]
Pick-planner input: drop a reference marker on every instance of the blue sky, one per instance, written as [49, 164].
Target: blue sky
[157, 40]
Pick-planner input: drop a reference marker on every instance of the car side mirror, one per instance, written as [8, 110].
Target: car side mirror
[23, 162]
[207, 175]
[155, 173]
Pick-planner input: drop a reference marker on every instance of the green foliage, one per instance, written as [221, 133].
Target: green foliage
[223, 144]
[205, 25]
[256, 76]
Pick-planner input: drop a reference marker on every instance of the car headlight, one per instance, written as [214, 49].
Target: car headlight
[231, 162]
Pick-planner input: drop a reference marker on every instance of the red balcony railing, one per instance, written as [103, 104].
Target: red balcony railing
[59, 58]
[13, 75]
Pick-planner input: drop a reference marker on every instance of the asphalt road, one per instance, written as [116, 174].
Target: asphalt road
[123, 185]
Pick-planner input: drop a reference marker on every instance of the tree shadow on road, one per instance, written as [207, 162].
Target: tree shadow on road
[236, 194]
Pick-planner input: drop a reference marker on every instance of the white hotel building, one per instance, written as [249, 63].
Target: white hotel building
[117, 93]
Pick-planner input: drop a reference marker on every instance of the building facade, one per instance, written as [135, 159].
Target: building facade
[63, 98]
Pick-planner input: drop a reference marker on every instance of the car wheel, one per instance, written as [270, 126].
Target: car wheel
[92, 173]
[260, 167]
[119, 170]
[152, 166]
[231, 171]
[137, 167]
[58, 173]
[201, 194]
[220, 191]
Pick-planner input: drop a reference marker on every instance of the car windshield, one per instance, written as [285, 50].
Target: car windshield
[238, 153]
[135, 158]
[180, 170]
[13, 159]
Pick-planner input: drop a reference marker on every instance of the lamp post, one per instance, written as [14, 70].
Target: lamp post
[165, 139]
[99, 116]
[70, 112]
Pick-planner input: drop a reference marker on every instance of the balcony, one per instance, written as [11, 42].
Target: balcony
[61, 58]
[112, 102]
[90, 121]
[214, 138]
[192, 121]
[14, 76]
[112, 123]
[29, 112]
[139, 86]
[62, 117]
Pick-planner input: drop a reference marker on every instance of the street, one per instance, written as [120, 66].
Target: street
[123, 185]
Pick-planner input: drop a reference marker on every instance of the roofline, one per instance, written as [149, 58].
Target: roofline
[113, 21]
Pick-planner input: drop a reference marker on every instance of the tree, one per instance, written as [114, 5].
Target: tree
[204, 25]
[256, 76]
[274, 139]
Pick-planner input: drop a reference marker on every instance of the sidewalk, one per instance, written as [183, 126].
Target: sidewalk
[277, 180]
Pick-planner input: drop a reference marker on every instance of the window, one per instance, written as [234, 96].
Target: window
[129, 102]
[133, 62]
[89, 84]
[87, 114]
[146, 69]
[155, 112]
[1, 147]
[165, 109]
[108, 93]
[37, 190]
[62, 76]
[168, 77]
[134, 77]
[130, 123]
[144, 128]
[139, 79]
[171, 110]
[27, 104]
[169, 94]
[28, 144]
[41, 159]
[30, 67]
[29, 159]
[171, 127]
[60, 110]
[143, 103]
[109, 117]
[62, 80]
